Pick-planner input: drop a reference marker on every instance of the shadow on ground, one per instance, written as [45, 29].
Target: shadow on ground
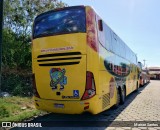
[103, 119]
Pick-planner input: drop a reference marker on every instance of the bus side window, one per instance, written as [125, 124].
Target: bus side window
[108, 44]
[122, 48]
[114, 42]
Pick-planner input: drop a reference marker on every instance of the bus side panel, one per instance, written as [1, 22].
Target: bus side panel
[94, 64]
[93, 54]
[106, 82]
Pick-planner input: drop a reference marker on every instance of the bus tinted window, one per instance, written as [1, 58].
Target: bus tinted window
[108, 44]
[60, 22]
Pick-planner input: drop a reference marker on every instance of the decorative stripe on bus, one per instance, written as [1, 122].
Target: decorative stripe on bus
[59, 64]
[59, 54]
[70, 58]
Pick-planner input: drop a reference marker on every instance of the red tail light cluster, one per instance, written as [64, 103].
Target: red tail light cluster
[90, 89]
[34, 87]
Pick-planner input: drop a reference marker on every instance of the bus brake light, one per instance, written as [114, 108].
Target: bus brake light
[90, 89]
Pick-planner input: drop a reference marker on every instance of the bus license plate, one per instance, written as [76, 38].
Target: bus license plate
[56, 105]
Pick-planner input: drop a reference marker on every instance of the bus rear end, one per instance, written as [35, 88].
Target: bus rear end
[61, 81]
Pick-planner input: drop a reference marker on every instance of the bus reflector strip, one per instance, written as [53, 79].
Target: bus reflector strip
[59, 64]
[86, 107]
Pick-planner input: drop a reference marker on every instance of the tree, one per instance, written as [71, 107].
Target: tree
[19, 14]
[18, 20]
[16, 54]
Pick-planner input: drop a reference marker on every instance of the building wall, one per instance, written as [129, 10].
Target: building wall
[154, 72]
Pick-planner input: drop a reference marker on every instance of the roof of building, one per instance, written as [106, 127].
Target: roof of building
[154, 72]
[157, 68]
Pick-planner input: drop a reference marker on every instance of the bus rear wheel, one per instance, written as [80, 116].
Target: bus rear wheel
[118, 99]
[137, 88]
[122, 95]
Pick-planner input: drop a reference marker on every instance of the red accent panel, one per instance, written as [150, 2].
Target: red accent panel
[91, 29]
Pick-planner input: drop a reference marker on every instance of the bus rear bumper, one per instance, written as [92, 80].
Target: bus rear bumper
[69, 107]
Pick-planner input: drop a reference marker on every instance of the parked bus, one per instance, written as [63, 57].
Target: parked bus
[79, 64]
[144, 78]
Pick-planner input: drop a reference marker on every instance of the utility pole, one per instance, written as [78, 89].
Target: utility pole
[1, 28]
[144, 63]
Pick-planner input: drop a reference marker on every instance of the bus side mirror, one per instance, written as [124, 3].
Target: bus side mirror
[100, 25]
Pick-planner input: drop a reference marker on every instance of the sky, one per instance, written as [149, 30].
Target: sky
[136, 22]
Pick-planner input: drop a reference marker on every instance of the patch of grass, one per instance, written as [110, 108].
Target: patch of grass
[3, 112]
[17, 109]
[22, 116]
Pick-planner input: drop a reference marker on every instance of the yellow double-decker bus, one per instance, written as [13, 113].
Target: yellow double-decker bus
[79, 64]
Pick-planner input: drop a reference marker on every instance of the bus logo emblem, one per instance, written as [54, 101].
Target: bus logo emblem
[57, 76]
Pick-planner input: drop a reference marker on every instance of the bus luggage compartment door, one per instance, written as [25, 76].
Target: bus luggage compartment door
[61, 79]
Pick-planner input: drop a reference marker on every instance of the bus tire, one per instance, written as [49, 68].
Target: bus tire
[118, 99]
[137, 88]
[122, 95]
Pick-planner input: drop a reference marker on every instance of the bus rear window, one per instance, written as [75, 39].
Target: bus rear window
[70, 20]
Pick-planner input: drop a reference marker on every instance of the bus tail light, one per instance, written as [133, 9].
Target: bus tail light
[34, 86]
[90, 89]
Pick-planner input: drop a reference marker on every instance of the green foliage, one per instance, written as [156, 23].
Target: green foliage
[19, 14]
[17, 84]
[16, 54]
[3, 112]
[16, 48]
[18, 20]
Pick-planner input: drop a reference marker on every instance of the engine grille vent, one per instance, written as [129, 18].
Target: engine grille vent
[56, 59]
[105, 101]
